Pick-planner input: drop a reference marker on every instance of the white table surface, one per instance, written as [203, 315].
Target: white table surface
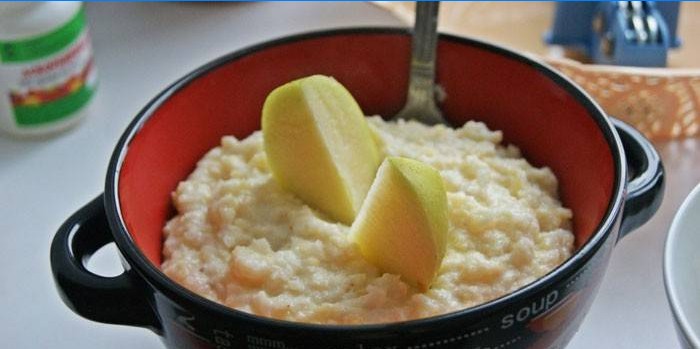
[140, 48]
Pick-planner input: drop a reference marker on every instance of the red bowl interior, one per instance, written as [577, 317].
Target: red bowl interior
[549, 124]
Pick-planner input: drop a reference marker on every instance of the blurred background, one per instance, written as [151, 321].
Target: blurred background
[140, 48]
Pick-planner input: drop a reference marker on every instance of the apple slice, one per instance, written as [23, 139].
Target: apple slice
[319, 146]
[402, 226]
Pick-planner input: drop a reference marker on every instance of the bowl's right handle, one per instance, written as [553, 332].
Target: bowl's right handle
[645, 186]
[114, 300]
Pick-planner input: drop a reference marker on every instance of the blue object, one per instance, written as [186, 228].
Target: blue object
[633, 33]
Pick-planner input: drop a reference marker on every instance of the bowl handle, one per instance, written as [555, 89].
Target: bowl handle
[114, 300]
[645, 186]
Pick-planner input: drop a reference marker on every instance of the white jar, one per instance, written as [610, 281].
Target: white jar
[47, 72]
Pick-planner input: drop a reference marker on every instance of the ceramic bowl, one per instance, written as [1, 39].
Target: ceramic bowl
[609, 175]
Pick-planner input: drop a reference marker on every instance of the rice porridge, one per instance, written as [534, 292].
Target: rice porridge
[242, 241]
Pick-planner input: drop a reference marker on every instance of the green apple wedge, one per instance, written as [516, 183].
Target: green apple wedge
[402, 225]
[319, 146]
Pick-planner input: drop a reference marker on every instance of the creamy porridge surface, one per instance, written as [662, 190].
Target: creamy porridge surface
[242, 241]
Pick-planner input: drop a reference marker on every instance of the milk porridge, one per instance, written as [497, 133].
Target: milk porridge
[240, 240]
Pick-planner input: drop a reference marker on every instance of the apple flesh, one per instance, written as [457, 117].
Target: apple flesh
[402, 226]
[319, 146]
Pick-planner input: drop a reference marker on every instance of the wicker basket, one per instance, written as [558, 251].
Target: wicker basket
[663, 103]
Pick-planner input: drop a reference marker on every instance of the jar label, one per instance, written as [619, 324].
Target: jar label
[44, 45]
[49, 77]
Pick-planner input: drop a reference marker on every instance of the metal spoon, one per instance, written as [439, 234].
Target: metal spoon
[420, 100]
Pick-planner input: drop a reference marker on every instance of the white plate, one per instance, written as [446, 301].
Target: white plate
[682, 268]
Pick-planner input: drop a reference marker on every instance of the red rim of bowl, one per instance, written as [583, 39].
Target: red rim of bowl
[173, 290]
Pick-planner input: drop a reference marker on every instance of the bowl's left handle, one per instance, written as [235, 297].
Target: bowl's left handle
[645, 187]
[114, 300]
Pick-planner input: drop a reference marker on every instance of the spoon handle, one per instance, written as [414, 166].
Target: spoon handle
[425, 36]
[420, 100]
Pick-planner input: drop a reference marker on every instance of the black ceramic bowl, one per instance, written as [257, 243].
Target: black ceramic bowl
[610, 176]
